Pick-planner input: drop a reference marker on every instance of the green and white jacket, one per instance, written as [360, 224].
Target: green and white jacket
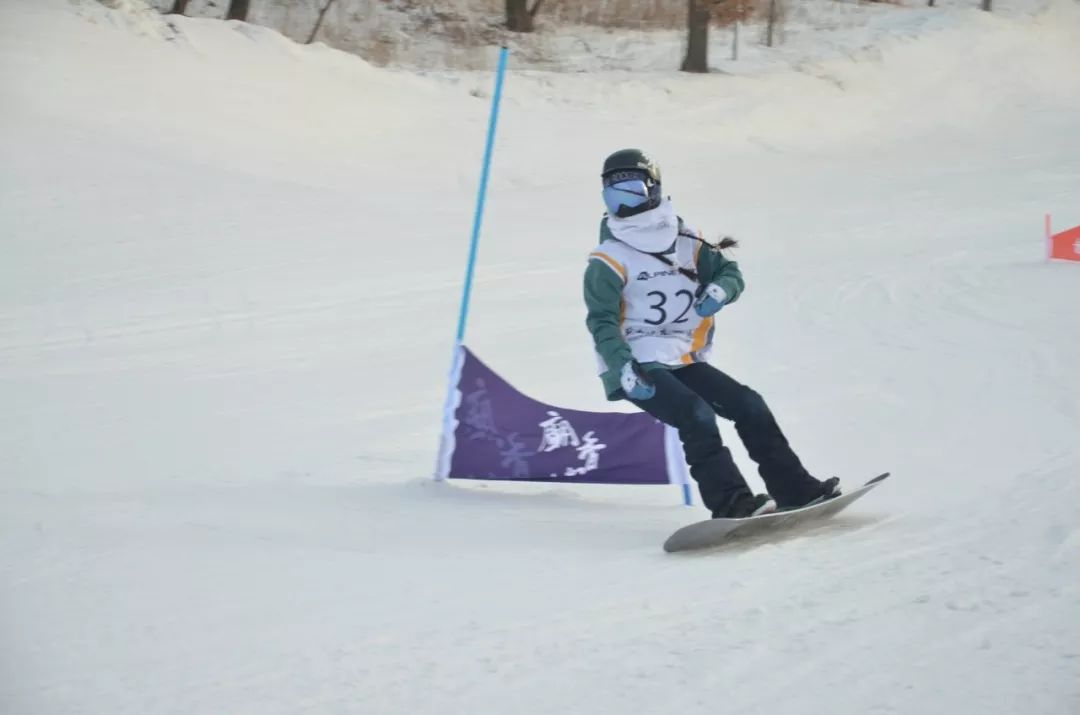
[641, 308]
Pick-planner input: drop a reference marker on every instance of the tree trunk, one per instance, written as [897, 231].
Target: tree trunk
[697, 36]
[773, 12]
[988, 5]
[319, 21]
[179, 7]
[238, 10]
[518, 17]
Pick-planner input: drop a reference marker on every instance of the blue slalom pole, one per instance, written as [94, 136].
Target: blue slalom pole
[485, 173]
[470, 267]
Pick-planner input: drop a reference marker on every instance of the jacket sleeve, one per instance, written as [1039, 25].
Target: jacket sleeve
[604, 301]
[713, 267]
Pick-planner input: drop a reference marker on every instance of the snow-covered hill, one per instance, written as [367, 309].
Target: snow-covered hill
[228, 290]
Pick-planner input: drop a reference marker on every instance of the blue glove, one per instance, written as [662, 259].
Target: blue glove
[635, 383]
[710, 299]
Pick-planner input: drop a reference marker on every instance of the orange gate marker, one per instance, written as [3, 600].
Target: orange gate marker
[1064, 246]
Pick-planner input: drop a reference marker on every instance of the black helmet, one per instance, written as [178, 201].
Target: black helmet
[631, 183]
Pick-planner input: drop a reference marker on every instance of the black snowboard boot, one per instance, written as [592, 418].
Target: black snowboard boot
[828, 489]
[744, 504]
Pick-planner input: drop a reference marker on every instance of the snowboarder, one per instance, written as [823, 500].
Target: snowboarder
[652, 287]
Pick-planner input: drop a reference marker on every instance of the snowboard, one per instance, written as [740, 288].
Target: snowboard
[714, 532]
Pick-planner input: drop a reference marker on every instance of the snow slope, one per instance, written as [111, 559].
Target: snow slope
[221, 371]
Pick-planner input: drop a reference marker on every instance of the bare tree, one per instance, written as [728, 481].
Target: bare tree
[319, 21]
[519, 16]
[775, 15]
[735, 42]
[698, 14]
[238, 10]
[179, 7]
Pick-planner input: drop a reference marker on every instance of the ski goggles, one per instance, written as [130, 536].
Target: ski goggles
[626, 190]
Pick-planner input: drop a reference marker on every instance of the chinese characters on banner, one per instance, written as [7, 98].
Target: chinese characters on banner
[495, 432]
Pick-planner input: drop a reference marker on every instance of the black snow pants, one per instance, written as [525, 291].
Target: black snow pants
[689, 399]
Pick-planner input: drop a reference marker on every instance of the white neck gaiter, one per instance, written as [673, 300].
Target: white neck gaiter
[653, 231]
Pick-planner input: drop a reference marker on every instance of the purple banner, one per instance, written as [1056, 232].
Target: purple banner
[495, 432]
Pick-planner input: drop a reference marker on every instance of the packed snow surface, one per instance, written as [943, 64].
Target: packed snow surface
[228, 288]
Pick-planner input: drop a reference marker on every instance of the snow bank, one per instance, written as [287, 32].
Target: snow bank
[135, 16]
[905, 72]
